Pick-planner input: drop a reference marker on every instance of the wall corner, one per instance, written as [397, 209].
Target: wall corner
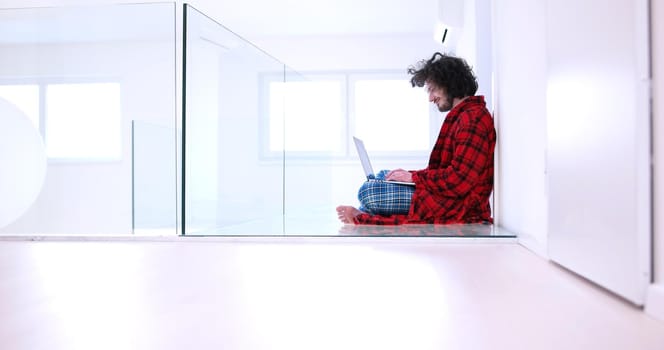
[654, 305]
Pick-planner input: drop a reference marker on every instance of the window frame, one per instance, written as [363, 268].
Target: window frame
[264, 101]
[42, 83]
[347, 78]
[433, 124]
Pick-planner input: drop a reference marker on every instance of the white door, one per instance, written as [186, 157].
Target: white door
[598, 145]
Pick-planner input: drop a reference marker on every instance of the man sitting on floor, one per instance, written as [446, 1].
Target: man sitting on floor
[456, 185]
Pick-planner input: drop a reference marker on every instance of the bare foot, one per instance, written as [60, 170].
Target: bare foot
[347, 214]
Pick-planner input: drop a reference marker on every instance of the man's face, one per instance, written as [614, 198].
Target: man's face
[439, 97]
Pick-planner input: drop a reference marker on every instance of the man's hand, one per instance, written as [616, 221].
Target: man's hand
[399, 175]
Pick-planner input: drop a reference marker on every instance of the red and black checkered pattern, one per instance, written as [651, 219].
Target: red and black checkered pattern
[456, 185]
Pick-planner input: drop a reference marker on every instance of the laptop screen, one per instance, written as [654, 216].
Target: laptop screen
[364, 158]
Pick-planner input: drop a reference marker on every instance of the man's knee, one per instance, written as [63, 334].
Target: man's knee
[384, 199]
[371, 205]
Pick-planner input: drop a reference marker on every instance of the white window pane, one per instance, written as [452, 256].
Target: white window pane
[313, 116]
[276, 121]
[83, 121]
[25, 97]
[390, 115]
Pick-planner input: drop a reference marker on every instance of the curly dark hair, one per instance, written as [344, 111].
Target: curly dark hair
[445, 71]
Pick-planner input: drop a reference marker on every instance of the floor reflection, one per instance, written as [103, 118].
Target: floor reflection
[456, 230]
[330, 228]
[324, 222]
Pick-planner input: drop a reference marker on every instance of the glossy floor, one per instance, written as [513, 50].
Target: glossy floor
[323, 221]
[321, 293]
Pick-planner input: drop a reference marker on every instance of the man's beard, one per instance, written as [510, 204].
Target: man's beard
[447, 105]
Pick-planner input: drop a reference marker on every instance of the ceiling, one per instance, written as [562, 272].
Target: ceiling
[86, 23]
[322, 17]
[249, 18]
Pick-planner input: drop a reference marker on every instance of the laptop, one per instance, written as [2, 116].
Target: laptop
[366, 164]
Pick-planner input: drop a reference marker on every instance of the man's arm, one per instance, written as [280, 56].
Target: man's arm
[470, 158]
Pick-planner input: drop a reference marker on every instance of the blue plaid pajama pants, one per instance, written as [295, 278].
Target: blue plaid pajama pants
[384, 198]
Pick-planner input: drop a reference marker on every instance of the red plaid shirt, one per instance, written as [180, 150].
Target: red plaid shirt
[456, 185]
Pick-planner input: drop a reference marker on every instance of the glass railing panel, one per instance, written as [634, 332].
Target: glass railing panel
[232, 185]
[153, 179]
[82, 75]
[314, 125]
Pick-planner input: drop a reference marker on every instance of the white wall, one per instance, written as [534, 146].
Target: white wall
[657, 41]
[655, 297]
[345, 52]
[598, 160]
[520, 52]
[520, 101]
[476, 47]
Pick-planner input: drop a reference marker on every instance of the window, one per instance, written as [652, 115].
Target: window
[306, 116]
[83, 121]
[390, 115]
[78, 121]
[317, 117]
[25, 98]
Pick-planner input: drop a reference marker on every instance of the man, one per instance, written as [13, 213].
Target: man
[456, 185]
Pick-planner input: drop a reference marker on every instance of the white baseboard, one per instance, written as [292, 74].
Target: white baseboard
[655, 301]
[532, 244]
